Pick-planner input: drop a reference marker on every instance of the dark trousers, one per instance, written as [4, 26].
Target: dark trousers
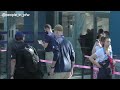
[22, 74]
[104, 73]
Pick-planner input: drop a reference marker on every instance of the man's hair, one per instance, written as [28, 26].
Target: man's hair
[58, 28]
[88, 30]
[47, 26]
[100, 31]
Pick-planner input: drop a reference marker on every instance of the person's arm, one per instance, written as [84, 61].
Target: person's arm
[55, 58]
[52, 67]
[97, 44]
[13, 62]
[72, 57]
[94, 50]
[91, 58]
[46, 41]
[44, 44]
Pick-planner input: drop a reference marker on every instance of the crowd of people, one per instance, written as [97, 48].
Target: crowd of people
[60, 51]
[100, 53]
[57, 49]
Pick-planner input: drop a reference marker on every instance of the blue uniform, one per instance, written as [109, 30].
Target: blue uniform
[49, 38]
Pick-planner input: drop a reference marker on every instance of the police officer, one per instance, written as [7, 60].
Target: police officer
[19, 41]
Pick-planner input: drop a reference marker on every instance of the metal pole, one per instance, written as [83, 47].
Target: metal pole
[94, 37]
[56, 18]
[35, 29]
[10, 26]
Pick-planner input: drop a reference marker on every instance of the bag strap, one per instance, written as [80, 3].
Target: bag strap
[34, 50]
[59, 46]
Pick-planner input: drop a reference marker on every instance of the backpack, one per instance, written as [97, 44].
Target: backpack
[27, 58]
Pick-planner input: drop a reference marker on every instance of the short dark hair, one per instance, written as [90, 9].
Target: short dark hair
[107, 33]
[100, 31]
[88, 30]
[47, 26]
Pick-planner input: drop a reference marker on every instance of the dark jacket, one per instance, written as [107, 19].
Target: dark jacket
[15, 46]
[22, 73]
[64, 55]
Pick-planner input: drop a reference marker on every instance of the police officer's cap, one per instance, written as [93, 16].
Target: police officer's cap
[19, 34]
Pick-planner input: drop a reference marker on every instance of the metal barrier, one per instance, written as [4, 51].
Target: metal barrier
[117, 60]
[77, 66]
[82, 66]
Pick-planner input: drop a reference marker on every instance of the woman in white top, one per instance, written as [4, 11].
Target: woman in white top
[101, 55]
[98, 45]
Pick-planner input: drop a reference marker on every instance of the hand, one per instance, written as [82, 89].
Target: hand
[40, 41]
